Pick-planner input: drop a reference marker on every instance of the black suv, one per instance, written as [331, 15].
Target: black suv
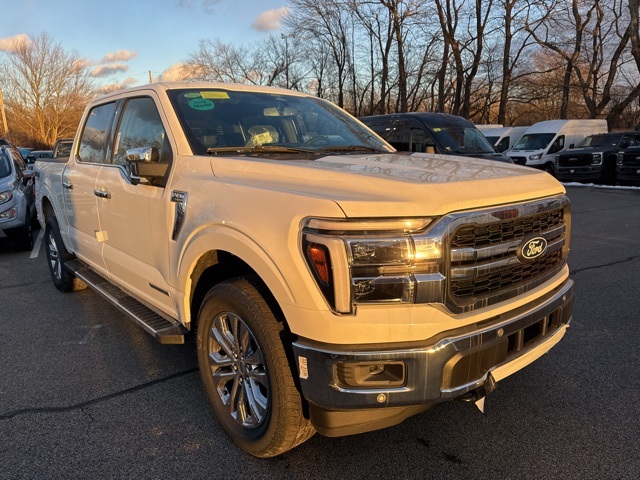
[433, 133]
[17, 206]
[594, 158]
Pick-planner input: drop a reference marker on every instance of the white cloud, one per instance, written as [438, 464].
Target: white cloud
[119, 56]
[114, 87]
[174, 73]
[8, 44]
[270, 20]
[106, 70]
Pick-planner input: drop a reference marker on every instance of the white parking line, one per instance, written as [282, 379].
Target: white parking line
[36, 245]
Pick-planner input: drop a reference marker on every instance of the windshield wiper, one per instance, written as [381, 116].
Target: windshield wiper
[257, 149]
[351, 148]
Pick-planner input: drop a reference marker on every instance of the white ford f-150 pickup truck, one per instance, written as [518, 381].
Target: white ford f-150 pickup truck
[332, 284]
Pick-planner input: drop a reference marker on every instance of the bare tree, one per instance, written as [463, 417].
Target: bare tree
[46, 89]
[329, 23]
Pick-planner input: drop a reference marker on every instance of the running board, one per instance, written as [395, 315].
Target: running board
[163, 329]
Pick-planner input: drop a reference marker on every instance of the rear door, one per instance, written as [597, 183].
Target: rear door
[78, 185]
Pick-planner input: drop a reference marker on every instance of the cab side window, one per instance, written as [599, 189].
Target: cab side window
[557, 145]
[398, 136]
[141, 126]
[93, 143]
[421, 141]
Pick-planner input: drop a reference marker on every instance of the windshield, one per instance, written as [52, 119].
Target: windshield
[493, 140]
[599, 141]
[534, 141]
[460, 139]
[230, 122]
[5, 167]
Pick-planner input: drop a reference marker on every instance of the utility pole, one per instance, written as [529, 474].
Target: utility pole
[5, 127]
[150, 80]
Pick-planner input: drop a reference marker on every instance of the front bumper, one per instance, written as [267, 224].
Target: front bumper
[16, 220]
[625, 173]
[407, 379]
[582, 173]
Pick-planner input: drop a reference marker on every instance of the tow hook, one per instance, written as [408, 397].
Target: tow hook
[478, 395]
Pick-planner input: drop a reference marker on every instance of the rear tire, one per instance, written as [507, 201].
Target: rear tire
[246, 372]
[57, 256]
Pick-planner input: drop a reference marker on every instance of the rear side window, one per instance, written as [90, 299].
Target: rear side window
[93, 143]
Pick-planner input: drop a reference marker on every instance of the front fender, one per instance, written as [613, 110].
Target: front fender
[222, 238]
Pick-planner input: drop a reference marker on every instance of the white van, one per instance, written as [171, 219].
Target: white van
[487, 126]
[543, 140]
[504, 138]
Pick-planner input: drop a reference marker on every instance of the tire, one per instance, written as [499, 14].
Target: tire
[57, 256]
[549, 168]
[246, 372]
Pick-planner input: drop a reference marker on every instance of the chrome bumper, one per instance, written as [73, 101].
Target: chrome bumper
[422, 375]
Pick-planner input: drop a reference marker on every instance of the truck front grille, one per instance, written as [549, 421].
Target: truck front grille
[576, 160]
[631, 159]
[485, 265]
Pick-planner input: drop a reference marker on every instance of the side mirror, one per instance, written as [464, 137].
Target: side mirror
[571, 145]
[625, 144]
[27, 176]
[144, 163]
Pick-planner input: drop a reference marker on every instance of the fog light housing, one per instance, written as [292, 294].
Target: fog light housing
[362, 375]
[9, 214]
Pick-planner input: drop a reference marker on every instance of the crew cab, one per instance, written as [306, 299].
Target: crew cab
[594, 159]
[331, 284]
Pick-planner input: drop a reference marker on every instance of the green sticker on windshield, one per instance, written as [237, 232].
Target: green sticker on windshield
[201, 104]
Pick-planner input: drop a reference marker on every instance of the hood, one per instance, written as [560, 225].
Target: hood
[500, 157]
[392, 185]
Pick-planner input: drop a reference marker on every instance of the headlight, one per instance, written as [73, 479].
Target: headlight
[620, 158]
[5, 196]
[537, 156]
[359, 262]
[557, 160]
[596, 159]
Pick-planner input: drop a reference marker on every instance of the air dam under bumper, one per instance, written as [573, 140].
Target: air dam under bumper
[354, 389]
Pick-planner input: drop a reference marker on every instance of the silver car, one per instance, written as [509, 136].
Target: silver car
[17, 207]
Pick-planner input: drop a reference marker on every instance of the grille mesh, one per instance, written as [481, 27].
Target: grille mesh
[503, 275]
[476, 236]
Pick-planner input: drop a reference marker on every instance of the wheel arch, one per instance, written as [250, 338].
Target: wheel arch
[202, 267]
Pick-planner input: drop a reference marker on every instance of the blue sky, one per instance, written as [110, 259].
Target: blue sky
[124, 39]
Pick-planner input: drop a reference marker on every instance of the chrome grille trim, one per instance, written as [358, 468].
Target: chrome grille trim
[474, 256]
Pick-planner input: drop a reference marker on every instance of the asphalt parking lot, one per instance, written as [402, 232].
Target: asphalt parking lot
[84, 393]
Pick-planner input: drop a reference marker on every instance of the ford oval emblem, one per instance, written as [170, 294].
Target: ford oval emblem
[533, 248]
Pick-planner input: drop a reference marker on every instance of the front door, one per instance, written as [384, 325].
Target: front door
[133, 215]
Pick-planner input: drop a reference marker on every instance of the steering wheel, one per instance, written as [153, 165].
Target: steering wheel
[319, 140]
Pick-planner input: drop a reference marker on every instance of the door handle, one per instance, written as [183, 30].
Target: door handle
[102, 193]
[67, 185]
